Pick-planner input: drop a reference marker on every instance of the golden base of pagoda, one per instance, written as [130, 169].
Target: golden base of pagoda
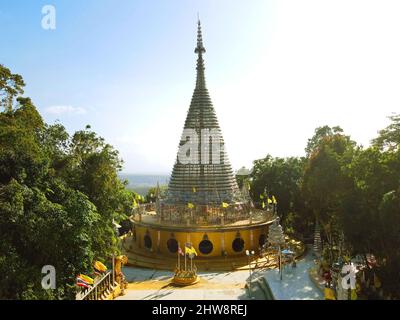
[211, 243]
[143, 258]
[185, 278]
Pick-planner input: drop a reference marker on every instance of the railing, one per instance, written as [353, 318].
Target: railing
[179, 215]
[100, 288]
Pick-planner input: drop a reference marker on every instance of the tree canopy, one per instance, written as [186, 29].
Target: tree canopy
[353, 192]
[11, 85]
[59, 197]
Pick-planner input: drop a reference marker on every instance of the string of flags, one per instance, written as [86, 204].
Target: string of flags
[267, 200]
[223, 205]
[84, 281]
[189, 250]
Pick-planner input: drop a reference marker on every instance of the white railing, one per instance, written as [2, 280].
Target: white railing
[99, 289]
[202, 216]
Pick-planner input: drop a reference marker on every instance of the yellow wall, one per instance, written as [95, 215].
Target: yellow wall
[216, 237]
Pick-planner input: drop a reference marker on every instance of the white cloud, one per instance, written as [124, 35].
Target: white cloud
[57, 110]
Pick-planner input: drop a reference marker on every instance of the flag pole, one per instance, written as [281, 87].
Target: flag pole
[185, 258]
[179, 258]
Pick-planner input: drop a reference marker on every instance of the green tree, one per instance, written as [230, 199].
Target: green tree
[387, 250]
[59, 197]
[282, 178]
[325, 183]
[372, 208]
[92, 168]
[389, 138]
[41, 217]
[11, 85]
[320, 134]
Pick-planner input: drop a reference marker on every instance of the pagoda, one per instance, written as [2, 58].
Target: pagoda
[204, 182]
[203, 207]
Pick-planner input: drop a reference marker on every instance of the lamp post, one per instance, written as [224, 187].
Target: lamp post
[249, 254]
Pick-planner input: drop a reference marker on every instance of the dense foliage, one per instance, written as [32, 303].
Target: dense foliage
[353, 192]
[59, 197]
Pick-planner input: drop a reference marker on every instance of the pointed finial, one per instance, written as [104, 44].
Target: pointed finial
[200, 48]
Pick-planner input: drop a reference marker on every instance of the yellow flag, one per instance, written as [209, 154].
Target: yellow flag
[274, 200]
[329, 294]
[269, 201]
[194, 189]
[190, 205]
[261, 196]
[135, 204]
[193, 251]
[263, 204]
[190, 250]
[225, 205]
[100, 266]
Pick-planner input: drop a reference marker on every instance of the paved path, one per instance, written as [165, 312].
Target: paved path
[146, 284]
[296, 283]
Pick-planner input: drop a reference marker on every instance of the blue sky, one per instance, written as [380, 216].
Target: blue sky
[275, 70]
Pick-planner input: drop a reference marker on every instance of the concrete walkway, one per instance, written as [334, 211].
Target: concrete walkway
[150, 284]
[296, 283]
[147, 284]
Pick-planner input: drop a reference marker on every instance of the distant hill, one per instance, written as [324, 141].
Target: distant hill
[141, 183]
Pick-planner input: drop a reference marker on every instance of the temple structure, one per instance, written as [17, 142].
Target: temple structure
[203, 206]
[214, 183]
